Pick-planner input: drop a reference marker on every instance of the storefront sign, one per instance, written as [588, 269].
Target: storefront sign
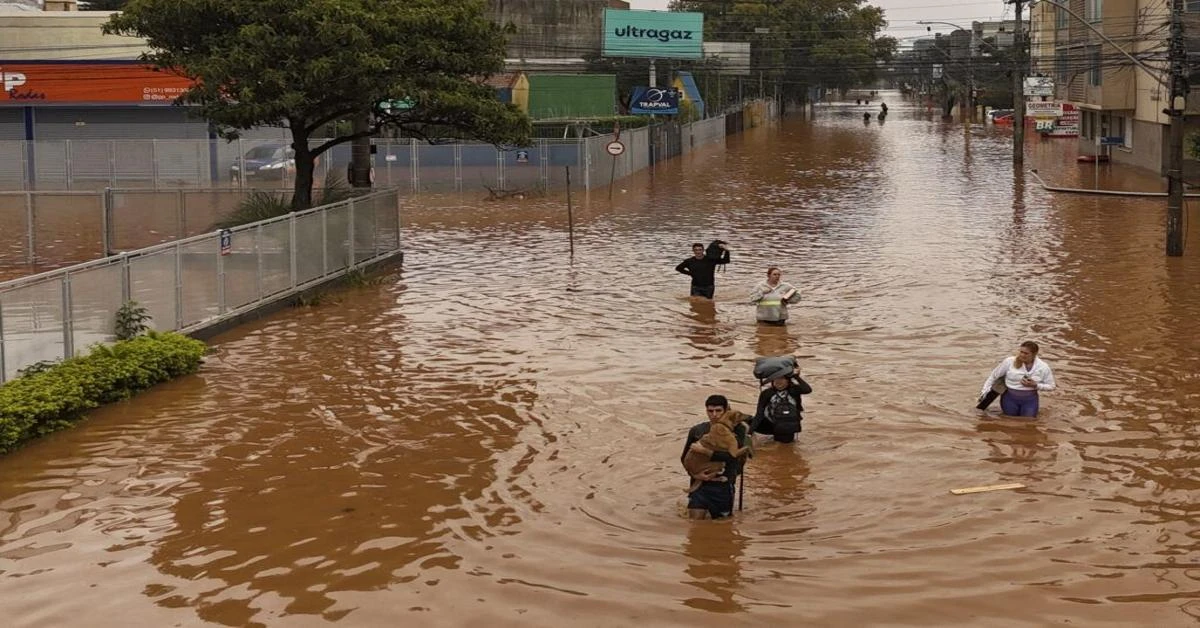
[653, 34]
[1039, 86]
[83, 83]
[1044, 109]
[654, 100]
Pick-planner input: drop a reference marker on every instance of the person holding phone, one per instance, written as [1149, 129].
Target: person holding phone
[772, 298]
[1024, 376]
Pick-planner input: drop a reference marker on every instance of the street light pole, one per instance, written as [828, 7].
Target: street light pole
[1018, 88]
[1179, 90]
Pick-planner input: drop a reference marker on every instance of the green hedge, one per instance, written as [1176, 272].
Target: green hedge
[55, 397]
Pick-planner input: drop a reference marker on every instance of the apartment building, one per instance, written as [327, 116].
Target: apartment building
[1117, 97]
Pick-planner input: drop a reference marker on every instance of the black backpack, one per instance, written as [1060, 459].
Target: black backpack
[784, 415]
[715, 253]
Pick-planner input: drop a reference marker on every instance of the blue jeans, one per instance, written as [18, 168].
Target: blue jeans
[703, 291]
[1019, 403]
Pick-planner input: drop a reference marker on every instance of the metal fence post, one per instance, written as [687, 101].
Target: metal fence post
[414, 160]
[324, 242]
[68, 334]
[178, 287]
[126, 280]
[112, 163]
[179, 223]
[399, 216]
[106, 221]
[221, 300]
[458, 169]
[258, 273]
[241, 160]
[499, 168]
[295, 277]
[544, 163]
[26, 173]
[31, 229]
[67, 164]
[154, 162]
[3, 369]
[350, 236]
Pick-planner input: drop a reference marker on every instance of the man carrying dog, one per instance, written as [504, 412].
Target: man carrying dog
[702, 267]
[714, 498]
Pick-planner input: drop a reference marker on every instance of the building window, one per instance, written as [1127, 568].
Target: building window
[1062, 19]
[1191, 6]
[1093, 10]
[1062, 67]
[1096, 71]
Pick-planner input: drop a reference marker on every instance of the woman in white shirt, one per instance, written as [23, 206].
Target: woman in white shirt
[772, 297]
[1023, 375]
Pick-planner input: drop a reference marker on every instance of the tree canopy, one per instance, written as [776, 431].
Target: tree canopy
[802, 43]
[305, 63]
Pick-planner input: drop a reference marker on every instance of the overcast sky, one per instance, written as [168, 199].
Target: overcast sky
[902, 15]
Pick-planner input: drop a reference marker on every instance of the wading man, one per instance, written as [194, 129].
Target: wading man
[701, 268]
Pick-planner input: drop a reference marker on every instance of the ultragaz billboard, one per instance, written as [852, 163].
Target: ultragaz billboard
[653, 34]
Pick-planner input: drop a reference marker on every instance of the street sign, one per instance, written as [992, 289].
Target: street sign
[615, 148]
[226, 242]
[1112, 141]
[1039, 86]
[388, 106]
[1044, 109]
[522, 156]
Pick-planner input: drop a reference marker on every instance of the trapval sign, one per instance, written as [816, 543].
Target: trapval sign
[653, 34]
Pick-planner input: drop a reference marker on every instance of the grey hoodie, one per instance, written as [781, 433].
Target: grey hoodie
[772, 307]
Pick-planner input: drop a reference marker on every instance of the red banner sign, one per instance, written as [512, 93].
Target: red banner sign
[103, 83]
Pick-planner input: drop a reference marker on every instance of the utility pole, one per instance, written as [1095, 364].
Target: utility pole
[1179, 90]
[1018, 95]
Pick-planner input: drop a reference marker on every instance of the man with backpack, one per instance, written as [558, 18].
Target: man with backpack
[780, 410]
[702, 266]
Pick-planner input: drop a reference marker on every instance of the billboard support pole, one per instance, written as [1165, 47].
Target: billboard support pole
[653, 74]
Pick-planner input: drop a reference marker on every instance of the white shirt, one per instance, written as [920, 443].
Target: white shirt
[1012, 375]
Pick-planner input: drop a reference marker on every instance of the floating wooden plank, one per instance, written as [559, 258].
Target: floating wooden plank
[984, 489]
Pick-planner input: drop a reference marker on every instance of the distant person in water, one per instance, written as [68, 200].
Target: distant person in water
[866, 116]
[702, 268]
[1024, 376]
[882, 109]
[772, 298]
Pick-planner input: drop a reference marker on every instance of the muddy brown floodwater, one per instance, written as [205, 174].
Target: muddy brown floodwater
[492, 437]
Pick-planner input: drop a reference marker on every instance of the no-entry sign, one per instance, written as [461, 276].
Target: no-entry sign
[615, 148]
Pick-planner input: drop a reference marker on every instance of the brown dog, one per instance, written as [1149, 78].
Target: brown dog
[720, 437]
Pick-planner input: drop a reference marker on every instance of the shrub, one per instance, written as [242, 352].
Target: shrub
[131, 321]
[261, 204]
[56, 397]
[258, 205]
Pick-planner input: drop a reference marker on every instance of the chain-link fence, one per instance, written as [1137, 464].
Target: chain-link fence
[47, 229]
[82, 165]
[192, 282]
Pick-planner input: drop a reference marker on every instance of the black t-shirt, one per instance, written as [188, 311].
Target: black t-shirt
[733, 466]
[702, 269]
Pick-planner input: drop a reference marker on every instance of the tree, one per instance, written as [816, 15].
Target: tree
[306, 63]
[808, 43]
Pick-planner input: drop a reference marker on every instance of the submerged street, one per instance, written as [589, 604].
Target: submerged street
[492, 436]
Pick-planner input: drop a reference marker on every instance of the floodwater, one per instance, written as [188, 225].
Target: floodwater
[492, 436]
